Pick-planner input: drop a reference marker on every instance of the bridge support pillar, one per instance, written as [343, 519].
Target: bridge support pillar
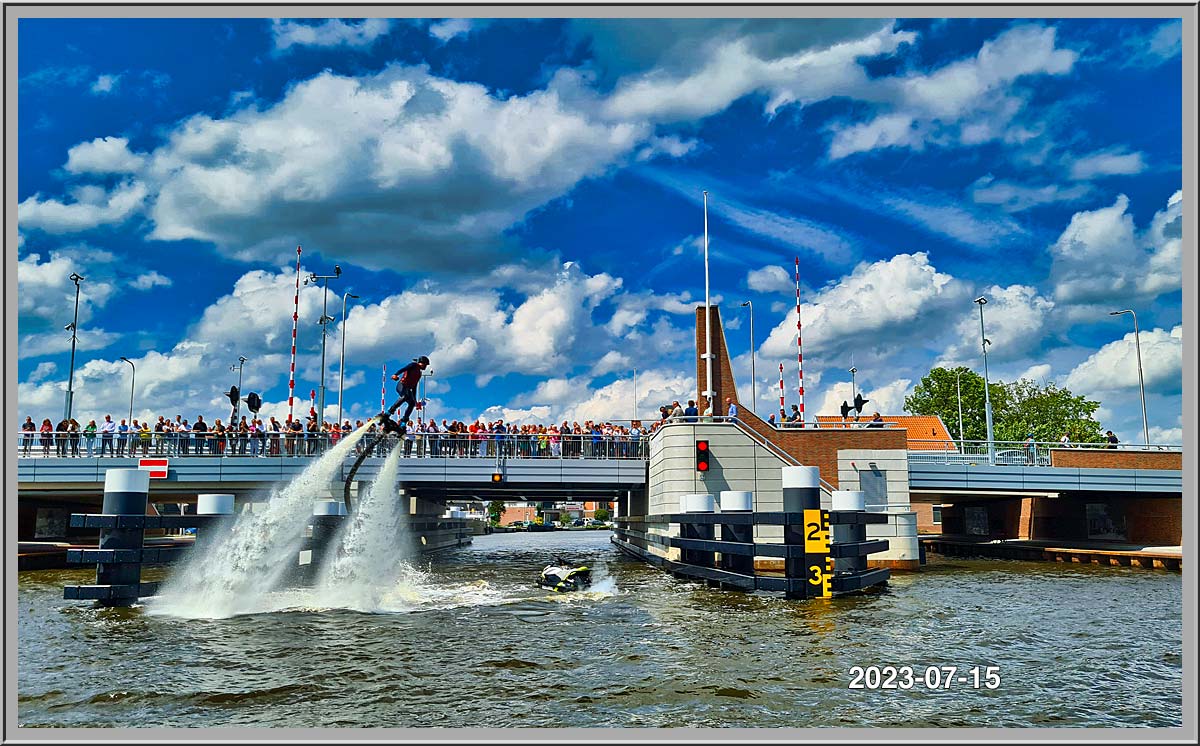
[213, 504]
[126, 493]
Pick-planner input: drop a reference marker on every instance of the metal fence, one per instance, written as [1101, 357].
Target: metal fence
[1007, 453]
[419, 445]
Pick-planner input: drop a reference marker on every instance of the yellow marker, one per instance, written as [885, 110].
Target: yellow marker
[816, 532]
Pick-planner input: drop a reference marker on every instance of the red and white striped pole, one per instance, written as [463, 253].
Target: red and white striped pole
[782, 411]
[295, 324]
[799, 348]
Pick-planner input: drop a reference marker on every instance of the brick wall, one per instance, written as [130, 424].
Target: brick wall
[1105, 458]
[811, 446]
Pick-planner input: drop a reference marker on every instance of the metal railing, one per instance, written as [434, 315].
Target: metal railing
[271, 444]
[1009, 453]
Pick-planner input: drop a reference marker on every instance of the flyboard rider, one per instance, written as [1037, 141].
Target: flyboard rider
[406, 386]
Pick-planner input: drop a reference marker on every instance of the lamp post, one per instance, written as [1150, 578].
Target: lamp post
[635, 401]
[73, 327]
[132, 380]
[237, 408]
[342, 360]
[324, 322]
[1137, 343]
[424, 404]
[987, 399]
[853, 383]
[958, 382]
[753, 378]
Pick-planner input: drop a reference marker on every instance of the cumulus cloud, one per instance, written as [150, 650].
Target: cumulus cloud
[53, 343]
[42, 372]
[1101, 255]
[1108, 162]
[149, 280]
[104, 155]
[46, 293]
[769, 279]
[887, 399]
[333, 32]
[881, 304]
[1014, 321]
[1114, 366]
[92, 207]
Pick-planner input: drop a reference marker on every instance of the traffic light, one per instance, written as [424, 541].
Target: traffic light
[859, 401]
[233, 395]
[702, 454]
[497, 476]
[253, 402]
[845, 409]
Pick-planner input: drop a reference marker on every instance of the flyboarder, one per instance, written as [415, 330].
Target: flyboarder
[406, 386]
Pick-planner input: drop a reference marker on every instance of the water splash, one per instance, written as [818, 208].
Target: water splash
[237, 572]
[367, 564]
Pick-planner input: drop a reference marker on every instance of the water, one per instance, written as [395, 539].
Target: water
[471, 642]
[236, 574]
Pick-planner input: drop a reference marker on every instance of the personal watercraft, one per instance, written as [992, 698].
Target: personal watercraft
[565, 576]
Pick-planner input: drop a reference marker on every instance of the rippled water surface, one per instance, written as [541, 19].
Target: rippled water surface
[468, 641]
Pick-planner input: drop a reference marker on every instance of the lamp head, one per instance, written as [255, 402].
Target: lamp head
[76, 277]
[981, 300]
[351, 295]
[337, 270]
[853, 370]
[70, 327]
[127, 360]
[1118, 313]
[745, 303]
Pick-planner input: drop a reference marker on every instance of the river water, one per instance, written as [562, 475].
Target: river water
[468, 641]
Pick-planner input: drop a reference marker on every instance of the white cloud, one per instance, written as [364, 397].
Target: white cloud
[1036, 373]
[612, 361]
[1100, 256]
[1166, 435]
[1013, 197]
[53, 343]
[149, 280]
[887, 399]
[45, 291]
[97, 208]
[105, 84]
[970, 101]
[957, 223]
[1014, 321]
[42, 372]
[104, 155]
[671, 145]
[447, 29]
[1109, 162]
[769, 279]
[883, 304]
[1114, 366]
[333, 32]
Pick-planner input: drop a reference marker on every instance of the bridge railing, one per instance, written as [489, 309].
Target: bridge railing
[282, 445]
[1009, 453]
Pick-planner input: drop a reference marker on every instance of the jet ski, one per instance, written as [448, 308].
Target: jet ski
[564, 576]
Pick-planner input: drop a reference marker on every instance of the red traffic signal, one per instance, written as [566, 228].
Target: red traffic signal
[702, 454]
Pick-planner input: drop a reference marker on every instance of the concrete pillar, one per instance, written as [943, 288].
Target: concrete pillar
[221, 504]
[802, 494]
[126, 492]
[327, 517]
[734, 501]
[697, 503]
[801, 488]
[849, 500]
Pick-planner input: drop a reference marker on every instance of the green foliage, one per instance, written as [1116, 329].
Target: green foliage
[1018, 408]
[601, 514]
[495, 509]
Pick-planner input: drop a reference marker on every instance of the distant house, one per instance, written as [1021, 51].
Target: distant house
[925, 432]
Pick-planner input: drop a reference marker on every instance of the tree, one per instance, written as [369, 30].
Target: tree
[600, 514]
[495, 509]
[1018, 408]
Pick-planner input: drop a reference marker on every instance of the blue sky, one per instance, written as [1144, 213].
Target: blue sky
[521, 200]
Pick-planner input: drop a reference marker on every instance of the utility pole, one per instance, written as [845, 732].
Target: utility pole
[73, 327]
[324, 322]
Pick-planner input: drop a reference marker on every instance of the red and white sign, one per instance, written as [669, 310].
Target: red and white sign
[156, 466]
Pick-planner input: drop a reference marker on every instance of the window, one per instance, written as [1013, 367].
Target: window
[937, 515]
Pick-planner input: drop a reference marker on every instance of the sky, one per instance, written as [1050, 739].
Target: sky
[522, 201]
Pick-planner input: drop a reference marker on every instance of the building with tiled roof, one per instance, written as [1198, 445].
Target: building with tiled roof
[925, 432]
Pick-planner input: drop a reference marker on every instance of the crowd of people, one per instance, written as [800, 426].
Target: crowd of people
[252, 436]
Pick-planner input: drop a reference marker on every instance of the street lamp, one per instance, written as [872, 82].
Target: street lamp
[424, 404]
[1141, 381]
[132, 380]
[853, 384]
[987, 399]
[635, 401]
[73, 327]
[753, 379]
[324, 322]
[237, 407]
[958, 381]
[342, 361]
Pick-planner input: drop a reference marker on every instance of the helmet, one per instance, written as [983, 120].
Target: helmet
[423, 360]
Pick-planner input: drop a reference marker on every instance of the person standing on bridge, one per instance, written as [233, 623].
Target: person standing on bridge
[406, 386]
[733, 410]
